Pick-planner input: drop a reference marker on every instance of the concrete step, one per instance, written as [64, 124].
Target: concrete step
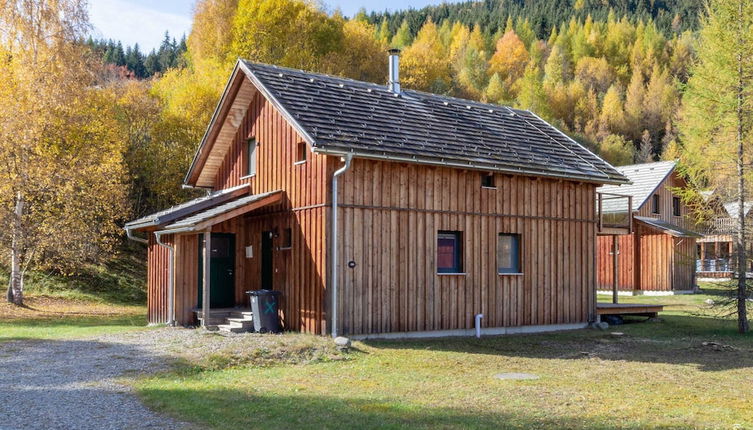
[229, 328]
[214, 321]
[241, 314]
[240, 320]
[246, 324]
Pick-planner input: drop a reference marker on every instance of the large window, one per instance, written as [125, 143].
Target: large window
[251, 157]
[676, 206]
[655, 204]
[449, 252]
[508, 253]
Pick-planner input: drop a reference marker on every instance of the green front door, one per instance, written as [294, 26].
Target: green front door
[221, 271]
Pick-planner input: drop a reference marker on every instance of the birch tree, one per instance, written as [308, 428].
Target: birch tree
[717, 118]
[61, 176]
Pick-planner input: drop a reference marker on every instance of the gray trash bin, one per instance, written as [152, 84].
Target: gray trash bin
[264, 305]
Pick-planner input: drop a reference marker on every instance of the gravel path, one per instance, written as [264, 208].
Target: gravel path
[73, 384]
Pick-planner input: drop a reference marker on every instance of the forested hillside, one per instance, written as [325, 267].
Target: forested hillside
[669, 16]
[609, 74]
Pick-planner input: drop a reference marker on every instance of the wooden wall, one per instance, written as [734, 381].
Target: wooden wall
[684, 265]
[665, 201]
[300, 272]
[305, 184]
[649, 260]
[157, 280]
[389, 219]
[626, 262]
[656, 258]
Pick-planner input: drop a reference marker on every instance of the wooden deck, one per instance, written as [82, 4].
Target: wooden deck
[631, 309]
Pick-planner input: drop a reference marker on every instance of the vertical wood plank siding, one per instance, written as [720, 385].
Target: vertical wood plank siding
[389, 217]
[299, 272]
[665, 201]
[157, 280]
[650, 260]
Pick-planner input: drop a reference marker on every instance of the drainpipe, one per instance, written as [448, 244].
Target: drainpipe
[170, 278]
[478, 325]
[347, 159]
[129, 234]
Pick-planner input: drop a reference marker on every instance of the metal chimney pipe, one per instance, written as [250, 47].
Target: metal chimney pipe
[394, 82]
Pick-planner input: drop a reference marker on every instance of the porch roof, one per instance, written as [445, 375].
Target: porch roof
[202, 220]
[666, 227]
[188, 208]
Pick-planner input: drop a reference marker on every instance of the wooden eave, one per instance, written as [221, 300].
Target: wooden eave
[228, 116]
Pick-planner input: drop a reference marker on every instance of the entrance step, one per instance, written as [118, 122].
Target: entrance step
[240, 322]
[229, 328]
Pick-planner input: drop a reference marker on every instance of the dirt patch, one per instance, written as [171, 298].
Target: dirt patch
[47, 307]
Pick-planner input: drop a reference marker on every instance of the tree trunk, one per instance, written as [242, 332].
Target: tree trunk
[742, 269]
[16, 287]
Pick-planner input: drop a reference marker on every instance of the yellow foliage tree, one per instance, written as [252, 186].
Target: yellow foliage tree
[61, 180]
[424, 63]
[509, 59]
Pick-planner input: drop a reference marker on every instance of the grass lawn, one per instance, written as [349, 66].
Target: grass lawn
[50, 317]
[102, 299]
[690, 371]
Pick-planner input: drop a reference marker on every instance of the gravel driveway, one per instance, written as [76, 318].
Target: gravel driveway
[72, 384]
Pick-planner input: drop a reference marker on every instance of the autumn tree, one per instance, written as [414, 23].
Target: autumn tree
[290, 33]
[717, 119]
[61, 176]
[424, 62]
[510, 59]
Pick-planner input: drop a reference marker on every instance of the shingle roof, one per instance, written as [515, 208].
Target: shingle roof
[338, 115]
[187, 208]
[645, 179]
[199, 217]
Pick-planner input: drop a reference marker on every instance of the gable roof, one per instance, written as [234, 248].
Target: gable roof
[645, 179]
[337, 116]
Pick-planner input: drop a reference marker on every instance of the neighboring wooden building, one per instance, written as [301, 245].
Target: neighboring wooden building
[444, 209]
[659, 257]
[716, 258]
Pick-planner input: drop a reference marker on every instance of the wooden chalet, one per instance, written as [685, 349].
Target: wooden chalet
[378, 211]
[659, 256]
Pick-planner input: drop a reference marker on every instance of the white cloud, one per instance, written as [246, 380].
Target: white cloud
[132, 23]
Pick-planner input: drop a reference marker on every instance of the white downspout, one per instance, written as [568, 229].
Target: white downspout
[347, 159]
[478, 325]
[129, 234]
[170, 278]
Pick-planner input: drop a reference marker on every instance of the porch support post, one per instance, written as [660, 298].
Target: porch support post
[207, 251]
[615, 268]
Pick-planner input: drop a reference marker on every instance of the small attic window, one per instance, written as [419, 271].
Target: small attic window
[301, 152]
[487, 180]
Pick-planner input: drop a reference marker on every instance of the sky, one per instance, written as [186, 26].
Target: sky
[145, 21]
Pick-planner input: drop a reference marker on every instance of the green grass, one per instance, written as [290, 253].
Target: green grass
[121, 280]
[100, 299]
[133, 318]
[656, 375]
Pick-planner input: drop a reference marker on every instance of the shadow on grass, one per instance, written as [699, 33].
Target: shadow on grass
[230, 408]
[676, 340]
